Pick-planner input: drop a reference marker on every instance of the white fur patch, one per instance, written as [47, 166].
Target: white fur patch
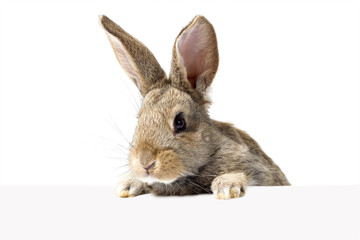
[150, 180]
[226, 191]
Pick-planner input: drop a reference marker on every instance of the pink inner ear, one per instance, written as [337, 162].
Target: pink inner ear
[123, 58]
[193, 46]
[126, 62]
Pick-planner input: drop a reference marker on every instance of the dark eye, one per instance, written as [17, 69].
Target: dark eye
[179, 123]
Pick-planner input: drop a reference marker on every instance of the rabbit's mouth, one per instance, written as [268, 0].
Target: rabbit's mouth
[156, 174]
[150, 180]
[163, 167]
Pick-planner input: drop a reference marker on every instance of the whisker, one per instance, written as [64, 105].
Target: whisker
[116, 144]
[118, 168]
[118, 158]
[203, 175]
[136, 106]
[121, 148]
[198, 175]
[122, 174]
[200, 186]
[116, 127]
[195, 188]
[195, 184]
[166, 189]
[179, 186]
[117, 151]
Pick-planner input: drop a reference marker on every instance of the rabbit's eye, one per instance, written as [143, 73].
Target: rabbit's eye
[179, 123]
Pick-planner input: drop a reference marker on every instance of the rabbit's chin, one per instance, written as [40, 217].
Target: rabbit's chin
[150, 180]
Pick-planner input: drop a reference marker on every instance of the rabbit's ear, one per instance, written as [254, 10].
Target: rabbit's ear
[136, 59]
[195, 55]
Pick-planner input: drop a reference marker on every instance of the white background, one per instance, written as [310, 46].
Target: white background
[280, 213]
[288, 75]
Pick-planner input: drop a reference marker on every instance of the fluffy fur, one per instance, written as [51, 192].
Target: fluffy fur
[208, 156]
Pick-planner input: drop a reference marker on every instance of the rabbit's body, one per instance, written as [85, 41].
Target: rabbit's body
[237, 152]
[177, 149]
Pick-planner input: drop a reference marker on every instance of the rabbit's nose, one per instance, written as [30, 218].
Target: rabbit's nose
[147, 168]
[145, 158]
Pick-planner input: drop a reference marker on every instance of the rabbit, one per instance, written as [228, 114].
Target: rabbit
[177, 149]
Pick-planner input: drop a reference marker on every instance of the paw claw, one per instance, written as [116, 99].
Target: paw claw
[129, 187]
[230, 185]
[124, 193]
[242, 192]
[235, 192]
[220, 196]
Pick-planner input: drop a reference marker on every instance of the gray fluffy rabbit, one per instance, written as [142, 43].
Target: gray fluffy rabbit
[177, 149]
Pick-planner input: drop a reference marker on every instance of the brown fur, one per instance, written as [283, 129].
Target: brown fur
[146, 67]
[209, 156]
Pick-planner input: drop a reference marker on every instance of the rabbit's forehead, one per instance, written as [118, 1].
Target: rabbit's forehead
[165, 100]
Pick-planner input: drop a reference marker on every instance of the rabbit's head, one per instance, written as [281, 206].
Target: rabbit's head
[174, 136]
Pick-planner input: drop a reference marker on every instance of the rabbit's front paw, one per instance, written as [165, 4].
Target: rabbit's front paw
[129, 187]
[229, 185]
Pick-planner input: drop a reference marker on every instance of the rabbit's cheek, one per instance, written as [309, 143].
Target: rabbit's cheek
[168, 167]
